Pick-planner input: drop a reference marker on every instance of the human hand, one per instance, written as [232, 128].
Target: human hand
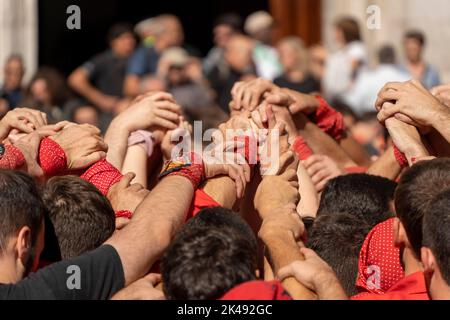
[29, 146]
[407, 139]
[442, 93]
[409, 102]
[285, 220]
[142, 289]
[149, 112]
[23, 120]
[82, 145]
[170, 139]
[315, 274]
[296, 102]
[249, 95]
[321, 169]
[126, 196]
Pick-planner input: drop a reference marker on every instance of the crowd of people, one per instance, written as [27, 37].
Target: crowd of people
[322, 179]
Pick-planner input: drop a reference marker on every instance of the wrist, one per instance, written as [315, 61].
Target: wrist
[441, 118]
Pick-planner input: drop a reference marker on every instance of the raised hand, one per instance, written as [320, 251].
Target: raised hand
[126, 196]
[23, 120]
[321, 169]
[249, 95]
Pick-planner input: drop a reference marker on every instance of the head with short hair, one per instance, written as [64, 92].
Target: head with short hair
[226, 26]
[212, 253]
[239, 53]
[14, 71]
[436, 244]
[293, 54]
[415, 193]
[347, 30]
[121, 39]
[260, 26]
[364, 196]
[338, 239]
[82, 217]
[414, 43]
[22, 221]
[386, 55]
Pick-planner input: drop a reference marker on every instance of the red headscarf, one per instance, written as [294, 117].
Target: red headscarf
[379, 260]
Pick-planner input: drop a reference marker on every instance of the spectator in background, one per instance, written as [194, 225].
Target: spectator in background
[361, 98]
[294, 58]
[414, 44]
[48, 93]
[157, 34]
[317, 61]
[11, 92]
[238, 56]
[100, 80]
[260, 26]
[344, 65]
[225, 27]
[85, 114]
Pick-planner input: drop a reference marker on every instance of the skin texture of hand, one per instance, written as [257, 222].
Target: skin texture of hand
[126, 196]
[442, 93]
[171, 138]
[29, 145]
[411, 103]
[286, 218]
[154, 110]
[295, 101]
[406, 138]
[22, 119]
[142, 289]
[249, 95]
[316, 275]
[82, 144]
[321, 169]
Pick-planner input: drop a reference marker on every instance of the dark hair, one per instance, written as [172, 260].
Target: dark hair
[436, 235]
[20, 206]
[416, 35]
[386, 55]
[338, 239]
[415, 193]
[118, 30]
[232, 20]
[361, 195]
[82, 217]
[209, 256]
[350, 28]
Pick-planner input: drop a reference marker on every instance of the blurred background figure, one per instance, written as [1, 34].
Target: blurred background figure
[317, 61]
[294, 59]
[261, 26]
[344, 65]
[239, 58]
[85, 114]
[225, 26]
[414, 46]
[12, 91]
[100, 80]
[48, 93]
[362, 96]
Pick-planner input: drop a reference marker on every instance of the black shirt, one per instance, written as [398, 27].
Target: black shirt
[100, 272]
[307, 86]
[107, 73]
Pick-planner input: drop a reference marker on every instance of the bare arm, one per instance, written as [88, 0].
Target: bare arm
[386, 166]
[117, 139]
[355, 151]
[136, 161]
[309, 199]
[153, 225]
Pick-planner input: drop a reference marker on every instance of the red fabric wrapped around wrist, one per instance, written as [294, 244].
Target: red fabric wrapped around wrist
[302, 149]
[329, 120]
[52, 158]
[103, 175]
[195, 172]
[124, 214]
[400, 157]
[12, 159]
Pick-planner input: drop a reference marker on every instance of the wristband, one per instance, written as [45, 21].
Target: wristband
[12, 158]
[400, 157]
[124, 214]
[329, 120]
[302, 149]
[188, 166]
[142, 136]
[52, 158]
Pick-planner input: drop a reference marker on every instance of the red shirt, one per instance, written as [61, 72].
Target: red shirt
[412, 287]
[257, 290]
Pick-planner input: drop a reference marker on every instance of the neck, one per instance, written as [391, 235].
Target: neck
[8, 274]
[295, 75]
[411, 263]
[439, 290]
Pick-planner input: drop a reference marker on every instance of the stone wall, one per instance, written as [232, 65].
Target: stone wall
[430, 16]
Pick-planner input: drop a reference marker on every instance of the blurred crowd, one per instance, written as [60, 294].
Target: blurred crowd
[153, 56]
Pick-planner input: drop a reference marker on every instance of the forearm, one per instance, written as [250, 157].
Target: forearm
[355, 151]
[309, 199]
[79, 81]
[386, 166]
[4, 132]
[117, 140]
[328, 287]
[153, 226]
[223, 190]
[442, 123]
[136, 162]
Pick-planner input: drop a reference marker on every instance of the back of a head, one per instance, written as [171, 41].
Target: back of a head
[436, 235]
[257, 22]
[415, 193]
[338, 239]
[386, 55]
[212, 253]
[350, 29]
[20, 206]
[364, 196]
[82, 217]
